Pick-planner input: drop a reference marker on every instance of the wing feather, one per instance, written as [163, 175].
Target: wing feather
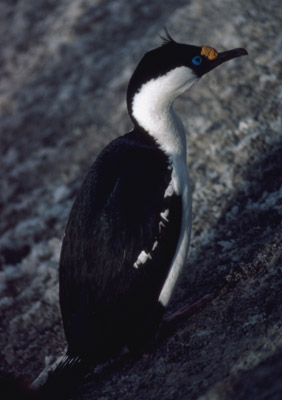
[115, 254]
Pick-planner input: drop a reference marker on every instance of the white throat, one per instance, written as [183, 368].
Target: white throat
[152, 109]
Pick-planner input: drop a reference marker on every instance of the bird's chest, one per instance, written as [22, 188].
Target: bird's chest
[180, 186]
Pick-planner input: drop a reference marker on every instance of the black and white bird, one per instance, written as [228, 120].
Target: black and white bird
[128, 233]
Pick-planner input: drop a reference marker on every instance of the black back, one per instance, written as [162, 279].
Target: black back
[106, 302]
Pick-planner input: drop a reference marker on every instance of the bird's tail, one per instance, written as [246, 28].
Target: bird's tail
[64, 379]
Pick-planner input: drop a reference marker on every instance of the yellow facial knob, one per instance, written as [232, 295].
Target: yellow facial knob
[209, 52]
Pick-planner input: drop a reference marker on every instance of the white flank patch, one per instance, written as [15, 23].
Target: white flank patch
[169, 191]
[142, 258]
[155, 245]
[161, 226]
[165, 214]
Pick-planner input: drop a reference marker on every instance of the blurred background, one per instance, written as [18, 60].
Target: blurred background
[64, 69]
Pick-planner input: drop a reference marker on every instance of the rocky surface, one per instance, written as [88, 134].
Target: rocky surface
[63, 76]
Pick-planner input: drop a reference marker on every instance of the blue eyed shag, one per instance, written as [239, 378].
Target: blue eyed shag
[128, 232]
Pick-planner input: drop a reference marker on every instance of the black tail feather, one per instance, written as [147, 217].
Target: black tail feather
[64, 379]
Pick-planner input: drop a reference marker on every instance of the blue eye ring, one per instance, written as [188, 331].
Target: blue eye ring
[197, 60]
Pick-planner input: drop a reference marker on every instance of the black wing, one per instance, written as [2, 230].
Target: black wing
[120, 239]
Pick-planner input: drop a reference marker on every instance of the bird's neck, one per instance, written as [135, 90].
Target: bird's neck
[152, 109]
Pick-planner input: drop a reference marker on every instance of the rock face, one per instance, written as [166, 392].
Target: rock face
[64, 71]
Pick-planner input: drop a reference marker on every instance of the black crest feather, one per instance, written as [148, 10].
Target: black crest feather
[167, 37]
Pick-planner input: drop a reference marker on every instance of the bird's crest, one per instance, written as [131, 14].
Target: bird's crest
[167, 37]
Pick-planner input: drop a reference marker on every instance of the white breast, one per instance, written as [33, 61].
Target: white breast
[180, 179]
[152, 109]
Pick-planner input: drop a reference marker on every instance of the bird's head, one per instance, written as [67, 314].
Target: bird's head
[172, 68]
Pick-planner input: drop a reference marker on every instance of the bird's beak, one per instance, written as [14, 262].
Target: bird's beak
[224, 56]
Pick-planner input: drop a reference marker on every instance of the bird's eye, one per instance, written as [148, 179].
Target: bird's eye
[197, 60]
